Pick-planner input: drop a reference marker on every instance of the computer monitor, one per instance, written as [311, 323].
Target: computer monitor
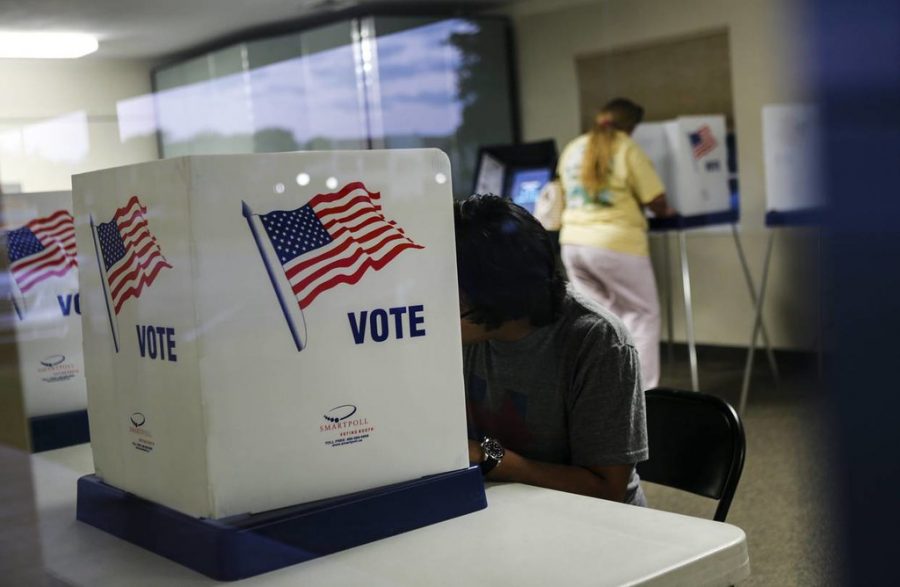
[525, 185]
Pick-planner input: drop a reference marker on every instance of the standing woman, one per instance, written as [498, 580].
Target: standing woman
[608, 180]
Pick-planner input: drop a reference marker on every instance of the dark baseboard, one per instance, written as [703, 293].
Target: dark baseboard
[738, 354]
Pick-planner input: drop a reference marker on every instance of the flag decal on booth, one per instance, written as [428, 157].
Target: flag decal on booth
[702, 141]
[43, 248]
[336, 238]
[128, 255]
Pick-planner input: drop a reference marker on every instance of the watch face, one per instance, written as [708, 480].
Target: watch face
[492, 449]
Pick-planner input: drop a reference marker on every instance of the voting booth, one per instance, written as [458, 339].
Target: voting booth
[38, 240]
[518, 172]
[690, 155]
[269, 330]
[791, 150]
[791, 145]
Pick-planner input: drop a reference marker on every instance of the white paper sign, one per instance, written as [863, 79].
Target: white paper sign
[42, 283]
[254, 343]
[791, 150]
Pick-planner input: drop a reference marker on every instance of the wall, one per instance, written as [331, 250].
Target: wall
[766, 68]
[58, 117]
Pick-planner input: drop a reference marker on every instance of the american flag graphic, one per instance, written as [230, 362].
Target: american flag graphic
[43, 248]
[335, 238]
[131, 256]
[702, 141]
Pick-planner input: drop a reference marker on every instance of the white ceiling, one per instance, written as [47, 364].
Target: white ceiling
[159, 28]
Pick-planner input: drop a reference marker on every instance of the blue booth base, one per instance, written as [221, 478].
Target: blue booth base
[802, 217]
[679, 222]
[243, 546]
[59, 430]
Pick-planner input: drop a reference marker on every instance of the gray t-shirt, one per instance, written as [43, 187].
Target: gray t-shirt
[568, 393]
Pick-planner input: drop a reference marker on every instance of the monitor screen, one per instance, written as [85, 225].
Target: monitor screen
[526, 184]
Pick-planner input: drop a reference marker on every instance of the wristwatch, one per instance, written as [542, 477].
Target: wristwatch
[493, 453]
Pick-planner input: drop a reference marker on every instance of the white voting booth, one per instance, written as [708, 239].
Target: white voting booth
[39, 244]
[268, 330]
[791, 146]
[689, 153]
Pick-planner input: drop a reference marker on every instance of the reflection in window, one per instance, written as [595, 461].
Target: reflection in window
[137, 117]
[377, 82]
[310, 102]
[444, 84]
[64, 139]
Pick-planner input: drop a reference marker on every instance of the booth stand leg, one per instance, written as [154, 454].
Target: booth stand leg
[667, 276]
[773, 365]
[688, 310]
[757, 324]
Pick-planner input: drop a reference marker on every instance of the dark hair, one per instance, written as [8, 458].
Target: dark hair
[506, 263]
[625, 114]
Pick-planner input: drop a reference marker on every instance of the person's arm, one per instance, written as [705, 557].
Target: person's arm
[660, 207]
[604, 482]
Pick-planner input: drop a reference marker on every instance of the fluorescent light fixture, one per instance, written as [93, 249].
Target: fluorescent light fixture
[46, 45]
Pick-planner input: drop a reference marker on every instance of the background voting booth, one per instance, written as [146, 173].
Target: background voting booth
[690, 155]
[263, 331]
[38, 240]
[793, 193]
[517, 172]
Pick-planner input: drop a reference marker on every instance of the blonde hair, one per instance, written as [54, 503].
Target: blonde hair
[595, 164]
[619, 114]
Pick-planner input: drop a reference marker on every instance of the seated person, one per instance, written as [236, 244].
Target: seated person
[553, 390]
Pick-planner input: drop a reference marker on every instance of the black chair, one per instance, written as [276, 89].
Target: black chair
[696, 443]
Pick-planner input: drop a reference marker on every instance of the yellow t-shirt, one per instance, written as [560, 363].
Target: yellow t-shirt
[615, 219]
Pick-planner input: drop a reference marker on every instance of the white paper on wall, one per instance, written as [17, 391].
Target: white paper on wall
[42, 284]
[791, 154]
[272, 344]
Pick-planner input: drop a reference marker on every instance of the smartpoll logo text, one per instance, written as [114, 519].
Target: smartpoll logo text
[341, 430]
[55, 369]
[143, 441]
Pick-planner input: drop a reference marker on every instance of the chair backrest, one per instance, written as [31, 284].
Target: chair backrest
[696, 444]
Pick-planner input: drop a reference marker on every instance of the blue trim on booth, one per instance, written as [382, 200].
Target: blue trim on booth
[679, 222]
[59, 430]
[243, 546]
[804, 217]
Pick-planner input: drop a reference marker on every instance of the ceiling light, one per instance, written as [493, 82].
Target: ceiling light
[46, 45]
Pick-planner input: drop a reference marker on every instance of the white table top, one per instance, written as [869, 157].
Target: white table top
[526, 536]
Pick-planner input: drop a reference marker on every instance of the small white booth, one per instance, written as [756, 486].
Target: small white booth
[38, 240]
[691, 156]
[263, 331]
[794, 195]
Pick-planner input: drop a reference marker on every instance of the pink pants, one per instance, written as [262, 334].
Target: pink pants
[624, 284]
